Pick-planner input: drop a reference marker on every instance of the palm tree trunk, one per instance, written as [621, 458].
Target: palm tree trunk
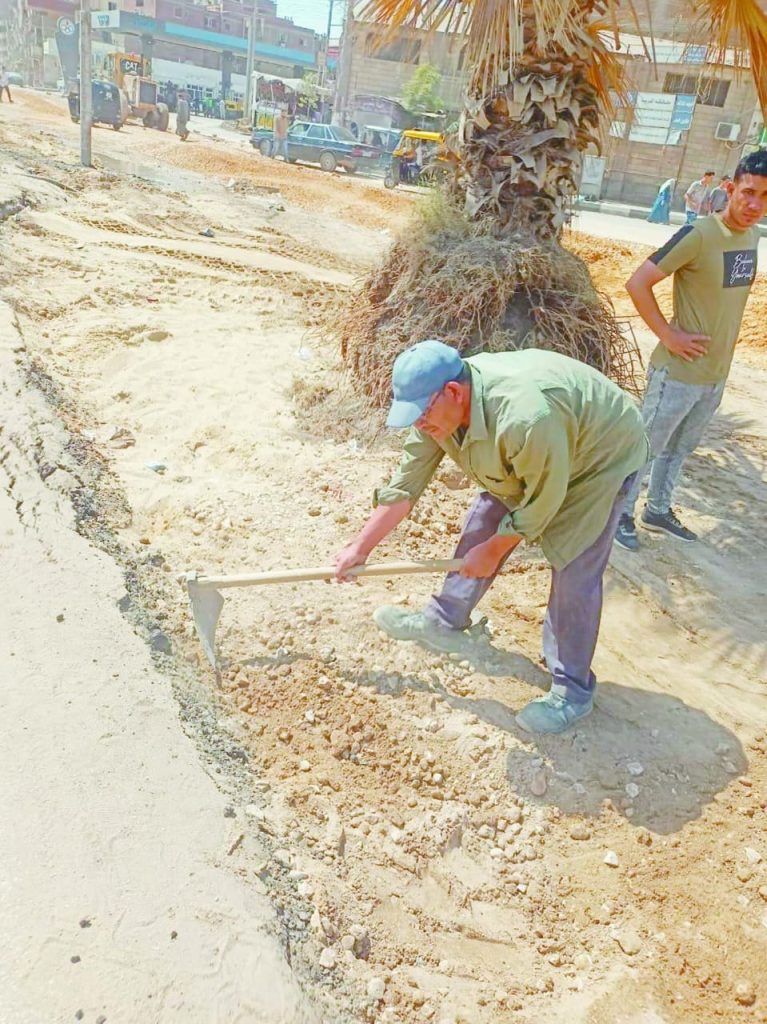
[520, 148]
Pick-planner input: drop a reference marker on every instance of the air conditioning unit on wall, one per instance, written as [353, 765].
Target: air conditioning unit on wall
[727, 131]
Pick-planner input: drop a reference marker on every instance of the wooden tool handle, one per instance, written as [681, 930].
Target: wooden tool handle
[325, 573]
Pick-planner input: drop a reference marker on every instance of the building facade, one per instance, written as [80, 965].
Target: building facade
[684, 116]
[11, 34]
[179, 33]
[373, 65]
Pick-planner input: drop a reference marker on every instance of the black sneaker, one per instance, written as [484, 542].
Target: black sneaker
[626, 534]
[666, 523]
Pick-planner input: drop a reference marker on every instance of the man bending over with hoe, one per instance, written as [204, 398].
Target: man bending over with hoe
[554, 448]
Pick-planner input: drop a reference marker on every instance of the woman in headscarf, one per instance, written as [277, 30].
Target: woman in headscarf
[661, 208]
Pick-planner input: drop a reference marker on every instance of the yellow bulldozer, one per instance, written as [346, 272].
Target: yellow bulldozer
[131, 73]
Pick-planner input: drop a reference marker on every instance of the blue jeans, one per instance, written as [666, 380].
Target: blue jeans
[675, 416]
[571, 625]
[280, 148]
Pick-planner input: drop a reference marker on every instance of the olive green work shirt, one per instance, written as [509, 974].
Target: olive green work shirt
[714, 269]
[549, 436]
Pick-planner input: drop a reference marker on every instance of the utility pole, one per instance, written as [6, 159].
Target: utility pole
[324, 75]
[86, 106]
[251, 62]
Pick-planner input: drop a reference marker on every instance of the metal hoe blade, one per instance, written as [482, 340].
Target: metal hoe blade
[206, 609]
[207, 602]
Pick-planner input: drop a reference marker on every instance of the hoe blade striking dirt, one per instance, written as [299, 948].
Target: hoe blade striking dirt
[207, 602]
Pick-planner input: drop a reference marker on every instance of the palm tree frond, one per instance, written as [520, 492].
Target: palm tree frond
[424, 14]
[737, 30]
[499, 31]
[606, 74]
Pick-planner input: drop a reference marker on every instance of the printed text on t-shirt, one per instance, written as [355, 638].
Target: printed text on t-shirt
[739, 268]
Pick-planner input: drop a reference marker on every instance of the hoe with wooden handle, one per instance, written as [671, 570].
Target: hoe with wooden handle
[207, 602]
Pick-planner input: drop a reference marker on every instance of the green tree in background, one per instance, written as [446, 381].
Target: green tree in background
[421, 93]
[308, 90]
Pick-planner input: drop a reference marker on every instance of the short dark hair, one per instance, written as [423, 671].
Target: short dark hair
[712, 173]
[754, 163]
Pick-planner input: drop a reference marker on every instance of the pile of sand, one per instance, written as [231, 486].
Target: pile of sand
[368, 204]
[611, 263]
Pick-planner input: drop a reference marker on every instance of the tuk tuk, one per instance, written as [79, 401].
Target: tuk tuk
[416, 159]
[109, 104]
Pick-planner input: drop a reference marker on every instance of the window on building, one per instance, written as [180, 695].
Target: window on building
[178, 12]
[401, 51]
[711, 92]
[209, 22]
[462, 57]
[139, 3]
[111, 6]
[227, 26]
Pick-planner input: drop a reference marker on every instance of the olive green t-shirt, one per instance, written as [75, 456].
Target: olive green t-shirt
[714, 269]
[549, 436]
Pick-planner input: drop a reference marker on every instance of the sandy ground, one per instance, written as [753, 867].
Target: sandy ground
[426, 861]
[120, 890]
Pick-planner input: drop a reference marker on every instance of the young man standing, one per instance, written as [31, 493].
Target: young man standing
[280, 127]
[554, 447]
[719, 197]
[696, 197]
[714, 265]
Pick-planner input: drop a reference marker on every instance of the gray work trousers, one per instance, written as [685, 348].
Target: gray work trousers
[571, 625]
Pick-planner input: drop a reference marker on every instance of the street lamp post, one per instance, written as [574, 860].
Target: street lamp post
[324, 73]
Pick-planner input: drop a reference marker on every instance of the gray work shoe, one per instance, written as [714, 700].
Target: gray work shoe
[402, 625]
[552, 714]
[626, 534]
[667, 522]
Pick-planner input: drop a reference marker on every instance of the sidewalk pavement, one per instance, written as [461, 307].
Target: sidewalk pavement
[118, 899]
[636, 212]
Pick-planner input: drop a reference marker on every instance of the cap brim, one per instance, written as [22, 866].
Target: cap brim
[404, 414]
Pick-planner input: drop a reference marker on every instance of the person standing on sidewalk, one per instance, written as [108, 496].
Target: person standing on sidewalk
[714, 265]
[5, 85]
[280, 128]
[696, 197]
[554, 447]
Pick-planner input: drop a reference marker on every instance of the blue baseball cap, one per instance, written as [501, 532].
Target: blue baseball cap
[418, 374]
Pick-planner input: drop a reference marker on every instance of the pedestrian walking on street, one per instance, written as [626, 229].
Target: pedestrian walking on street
[696, 197]
[714, 265]
[554, 447]
[280, 127]
[5, 85]
[661, 208]
[717, 201]
[182, 116]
